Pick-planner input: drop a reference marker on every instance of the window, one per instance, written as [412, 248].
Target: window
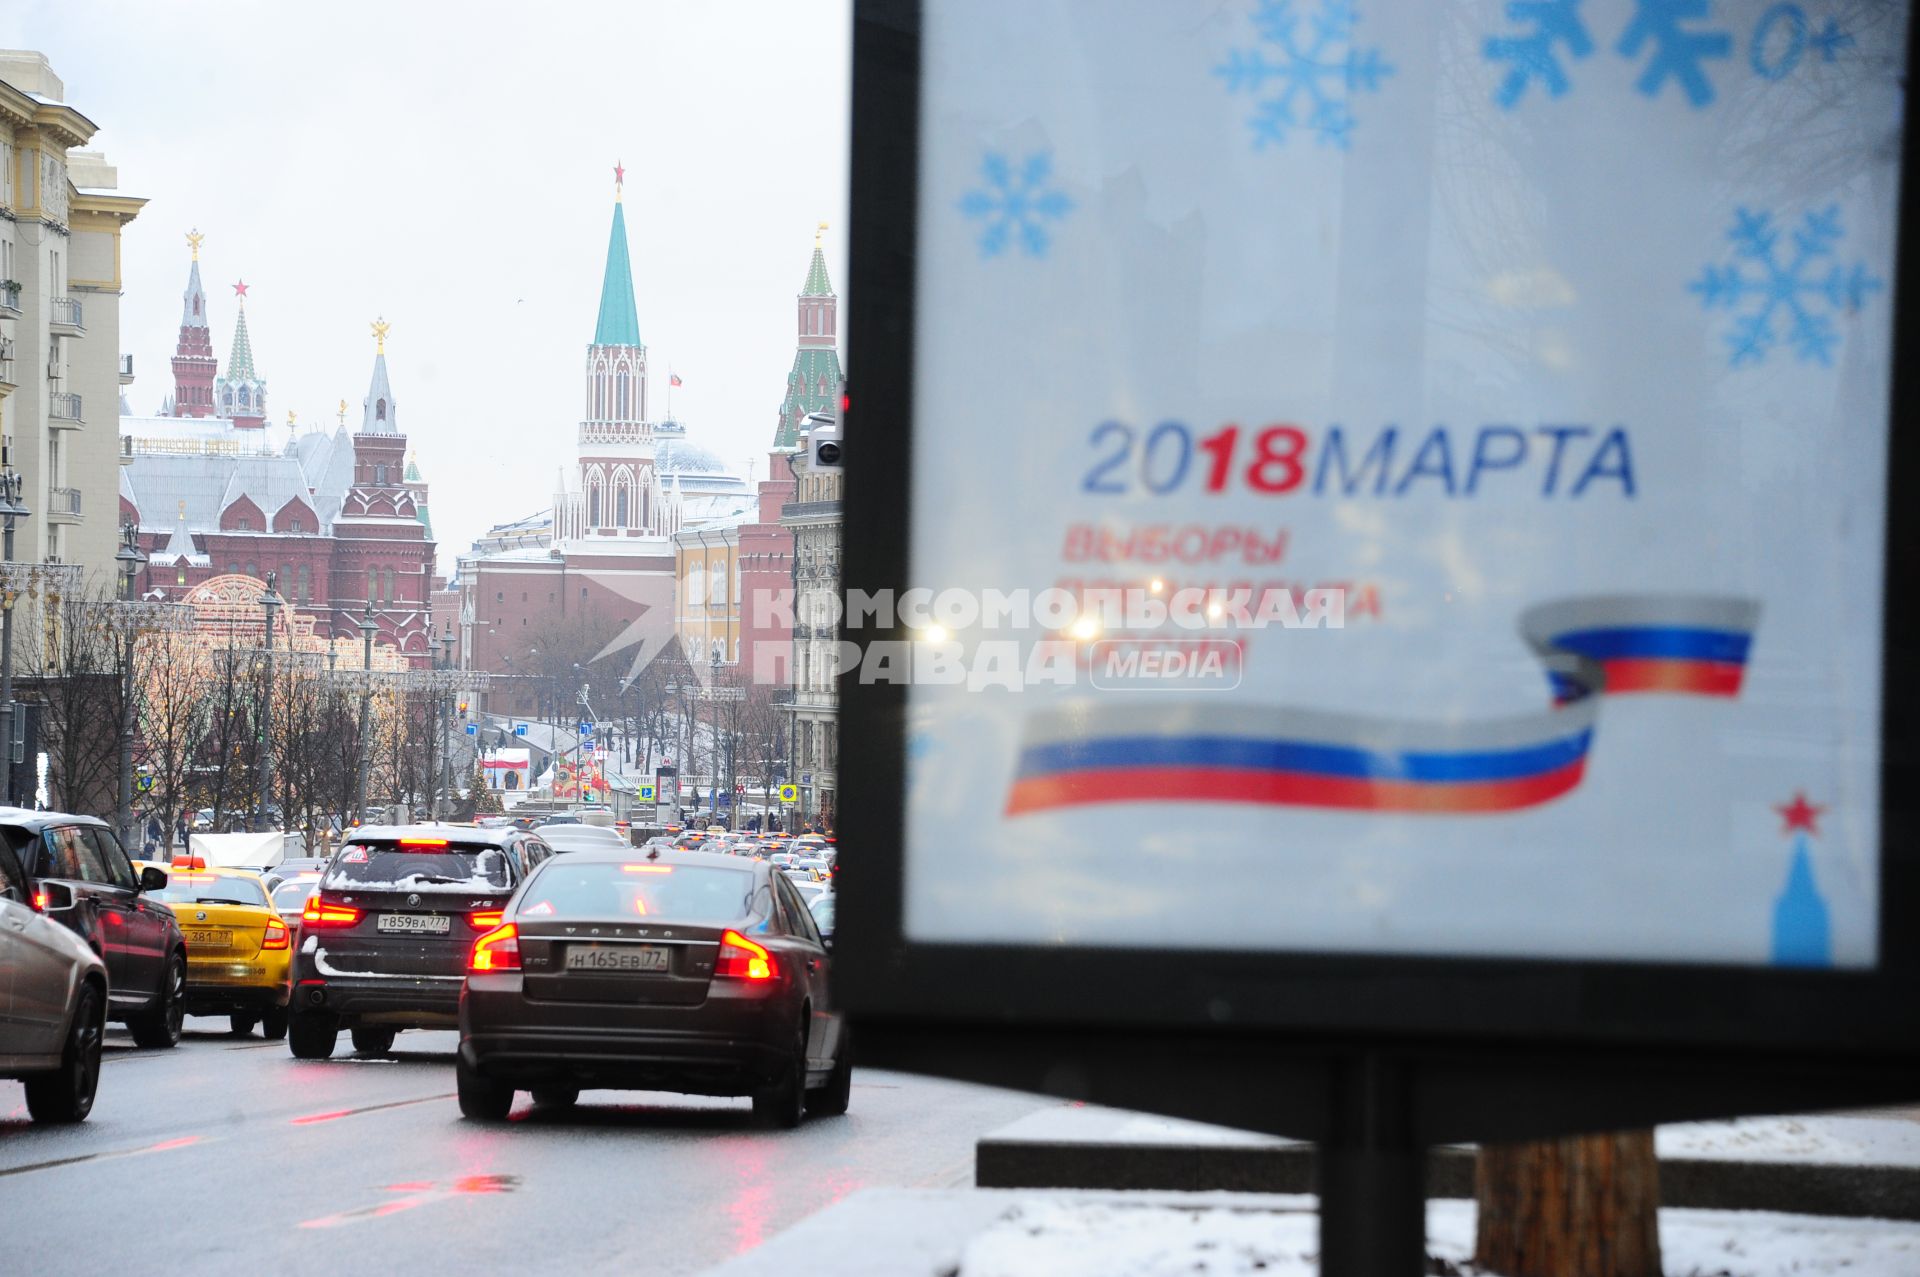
[380, 476]
[373, 584]
[293, 524]
[233, 569]
[387, 594]
[380, 411]
[593, 506]
[306, 586]
[583, 591]
[243, 524]
[499, 596]
[620, 506]
[253, 569]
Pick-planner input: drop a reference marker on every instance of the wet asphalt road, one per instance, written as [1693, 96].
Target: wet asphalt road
[227, 1155]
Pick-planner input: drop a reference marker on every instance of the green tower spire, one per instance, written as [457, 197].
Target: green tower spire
[619, 322]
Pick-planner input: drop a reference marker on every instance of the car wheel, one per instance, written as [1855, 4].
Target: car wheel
[311, 1035]
[159, 1025]
[481, 1098]
[273, 1024]
[373, 1040]
[559, 1097]
[831, 1099]
[67, 1095]
[782, 1104]
[241, 1023]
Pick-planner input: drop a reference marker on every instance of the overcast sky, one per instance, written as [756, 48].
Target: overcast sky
[450, 166]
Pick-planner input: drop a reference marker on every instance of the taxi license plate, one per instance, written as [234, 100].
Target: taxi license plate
[211, 939]
[433, 924]
[615, 957]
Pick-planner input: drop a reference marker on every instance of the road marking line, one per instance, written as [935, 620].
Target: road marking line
[164, 1146]
[312, 1118]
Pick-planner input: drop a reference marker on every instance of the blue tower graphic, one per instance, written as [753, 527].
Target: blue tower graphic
[1802, 932]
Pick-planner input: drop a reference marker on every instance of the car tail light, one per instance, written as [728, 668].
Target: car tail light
[485, 919]
[188, 862]
[423, 842]
[277, 936]
[40, 901]
[320, 913]
[742, 959]
[498, 950]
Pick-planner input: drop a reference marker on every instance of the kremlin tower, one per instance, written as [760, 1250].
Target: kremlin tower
[193, 362]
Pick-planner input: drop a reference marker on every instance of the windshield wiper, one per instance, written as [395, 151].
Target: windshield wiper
[220, 900]
[427, 877]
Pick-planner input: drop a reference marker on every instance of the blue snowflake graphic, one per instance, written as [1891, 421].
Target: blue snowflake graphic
[1015, 204]
[1532, 56]
[1306, 81]
[1677, 54]
[1801, 281]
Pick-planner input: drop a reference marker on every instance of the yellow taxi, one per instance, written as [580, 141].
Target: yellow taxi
[239, 950]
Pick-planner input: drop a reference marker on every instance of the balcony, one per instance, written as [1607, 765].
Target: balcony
[63, 410]
[67, 316]
[126, 370]
[63, 505]
[810, 512]
[7, 382]
[10, 299]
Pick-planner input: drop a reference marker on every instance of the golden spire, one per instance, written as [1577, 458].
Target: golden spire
[343, 412]
[193, 241]
[292, 417]
[818, 231]
[380, 327]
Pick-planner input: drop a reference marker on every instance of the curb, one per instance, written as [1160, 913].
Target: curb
[1800, 1188]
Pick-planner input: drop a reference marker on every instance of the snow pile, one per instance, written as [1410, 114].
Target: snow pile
[1851, 1141]
[1103, 1236]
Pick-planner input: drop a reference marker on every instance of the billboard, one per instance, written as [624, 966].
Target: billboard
[1443, 450]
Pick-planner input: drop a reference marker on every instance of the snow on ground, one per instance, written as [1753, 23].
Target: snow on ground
[1279, 1237]
[1852, 1141]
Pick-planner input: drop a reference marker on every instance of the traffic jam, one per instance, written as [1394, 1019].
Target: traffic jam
[567, 957]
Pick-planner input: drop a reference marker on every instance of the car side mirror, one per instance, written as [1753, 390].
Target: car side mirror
[827, 940]
[152, 879]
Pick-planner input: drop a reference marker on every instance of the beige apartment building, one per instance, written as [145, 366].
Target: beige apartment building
[60, 363]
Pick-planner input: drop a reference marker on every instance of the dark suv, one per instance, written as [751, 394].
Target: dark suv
[384, 938]
[81, 877]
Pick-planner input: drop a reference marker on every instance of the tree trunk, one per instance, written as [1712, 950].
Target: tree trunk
[1580, 1207]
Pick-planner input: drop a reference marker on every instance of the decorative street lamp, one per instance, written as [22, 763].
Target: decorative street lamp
[131, 560]
[367, 629]
[270, 602]
[12, 487]
[446, 719]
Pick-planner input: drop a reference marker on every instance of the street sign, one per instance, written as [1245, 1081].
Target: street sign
[789, 794]
[806, 778]
[473, 729]
[519, 729]
[586, 729]
[143, 783]
[1551, 721]
[643, 792]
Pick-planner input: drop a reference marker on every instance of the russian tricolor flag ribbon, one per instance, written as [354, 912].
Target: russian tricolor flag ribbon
[1124, 749]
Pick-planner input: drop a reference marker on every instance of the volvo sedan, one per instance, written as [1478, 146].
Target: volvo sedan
[659, 971]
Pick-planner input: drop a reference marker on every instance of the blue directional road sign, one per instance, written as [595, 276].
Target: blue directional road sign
[586, 729]
[643, 793]
[519, 729]
[473, 729]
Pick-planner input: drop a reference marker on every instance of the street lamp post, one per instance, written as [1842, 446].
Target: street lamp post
[269, 603]
[131, 560]
[446, 719]
[367, 628]
[12, 487]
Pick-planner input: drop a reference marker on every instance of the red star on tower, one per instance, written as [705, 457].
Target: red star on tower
[240, 289]
[1799, 814]
[619, 174]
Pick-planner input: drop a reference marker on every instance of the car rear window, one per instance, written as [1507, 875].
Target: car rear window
[192, 887]
[420, 866]
[295, 892]
[676, 893]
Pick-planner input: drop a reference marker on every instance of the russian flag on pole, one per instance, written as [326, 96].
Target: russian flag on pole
[1122, 750]
[673, 378]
